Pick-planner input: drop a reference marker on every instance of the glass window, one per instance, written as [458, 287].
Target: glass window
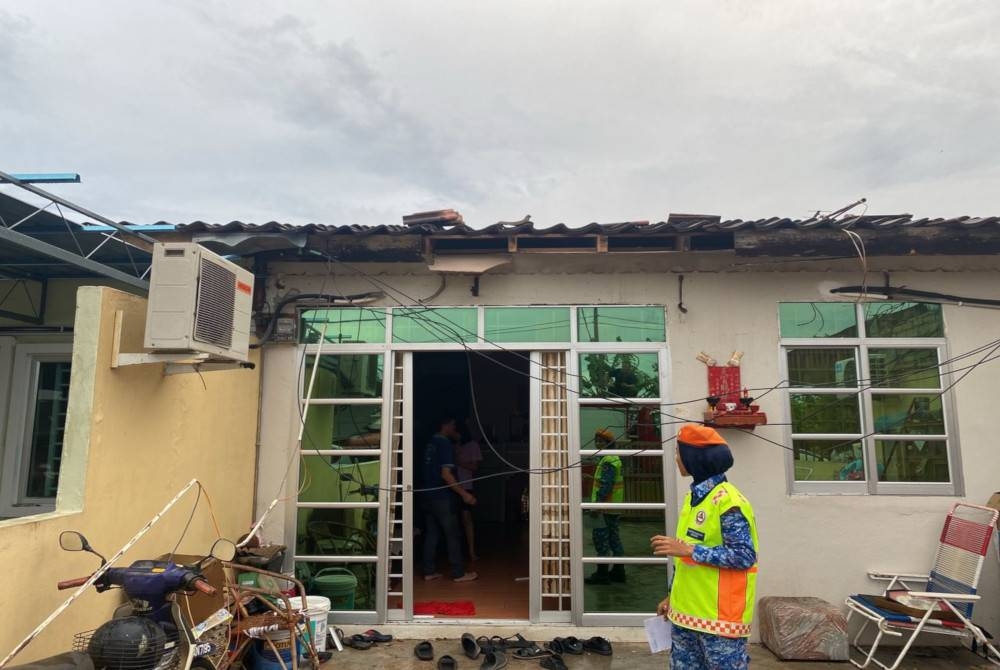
[343, 427]
[619, 375]
[828, 460]
[905, 413]
[825, 413]
[634, 427]
[632, 528]
[337, 532]
[345, 376]
[818, 319]
[48, 428]
[822, 367]
[894, 421]
[527, 324]
[347, 325]
[621, 324]
[905, 460]
[639, 589]
[641, 480]
[441, 324]
[329, 579]
[903, 319]
[338, 478]
[904, 368]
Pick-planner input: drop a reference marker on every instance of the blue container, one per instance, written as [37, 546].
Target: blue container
[262, 657]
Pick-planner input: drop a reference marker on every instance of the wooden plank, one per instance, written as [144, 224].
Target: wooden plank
[900, 241]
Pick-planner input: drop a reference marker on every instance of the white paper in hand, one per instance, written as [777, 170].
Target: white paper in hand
[658, 634]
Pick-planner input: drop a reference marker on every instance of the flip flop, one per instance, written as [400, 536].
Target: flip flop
[494, 660]
[554, 662]
[470, 646]
[598, 645]
[570, 645]
[424, 651]
[373, 635]
[556, 646]
[447, 663]
[531, 652]
[486, 644]
[358, 642]
[514, 641]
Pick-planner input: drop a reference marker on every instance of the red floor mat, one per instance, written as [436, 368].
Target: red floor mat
[445, 607]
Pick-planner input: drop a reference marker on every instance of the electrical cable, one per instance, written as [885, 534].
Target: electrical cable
[895, 292]
[299, 297]
[469, 350]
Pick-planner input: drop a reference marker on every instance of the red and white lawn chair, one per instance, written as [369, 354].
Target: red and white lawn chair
[943, 603]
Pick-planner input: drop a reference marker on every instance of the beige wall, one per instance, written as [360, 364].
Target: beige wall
[810, 545]
[135, 437]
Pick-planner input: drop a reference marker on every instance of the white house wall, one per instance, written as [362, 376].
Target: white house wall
[810, 545]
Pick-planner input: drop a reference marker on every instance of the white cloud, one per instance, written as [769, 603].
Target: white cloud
[569, 111]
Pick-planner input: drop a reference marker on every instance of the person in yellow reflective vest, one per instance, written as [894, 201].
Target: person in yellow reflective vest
[608, 487]
[711, 600]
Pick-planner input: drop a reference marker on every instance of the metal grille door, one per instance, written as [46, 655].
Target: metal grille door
[550, 490]
[399, 579]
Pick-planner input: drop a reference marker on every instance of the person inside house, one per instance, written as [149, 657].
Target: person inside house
[468, 456]
[608, 487]
[710, 603]
[442, 493]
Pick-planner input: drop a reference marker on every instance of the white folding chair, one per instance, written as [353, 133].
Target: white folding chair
[944, 603]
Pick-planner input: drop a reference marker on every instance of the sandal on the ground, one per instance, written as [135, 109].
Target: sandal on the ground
[534, 651]
[513, 642]
[375, 636]
[494, 660]
[598, 645]
[470, 646]
[447, 663]
[486, 644]
[358, 642]
[566, 645]
[424, 651]
[554, 662]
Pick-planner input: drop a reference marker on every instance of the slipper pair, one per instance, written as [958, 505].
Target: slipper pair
[363, 640]
[565, 645]
[598, 645]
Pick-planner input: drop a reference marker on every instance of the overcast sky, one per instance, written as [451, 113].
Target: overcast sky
[360, 112]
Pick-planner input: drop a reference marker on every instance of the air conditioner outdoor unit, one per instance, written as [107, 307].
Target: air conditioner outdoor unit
[198, 303]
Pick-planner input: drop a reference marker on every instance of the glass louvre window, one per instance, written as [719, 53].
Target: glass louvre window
[439, 324]
[348, 325]
[527, 324]
[621, 324]
[867, 407]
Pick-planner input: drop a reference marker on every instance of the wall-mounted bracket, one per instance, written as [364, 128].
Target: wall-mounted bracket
[176, 363]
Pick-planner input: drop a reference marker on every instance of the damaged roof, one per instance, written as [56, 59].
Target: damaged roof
[673, 225]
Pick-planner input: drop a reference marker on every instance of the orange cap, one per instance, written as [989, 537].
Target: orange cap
[697, 435]
[605, 434]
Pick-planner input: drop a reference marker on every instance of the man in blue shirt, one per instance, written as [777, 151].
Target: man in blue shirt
[440, 489]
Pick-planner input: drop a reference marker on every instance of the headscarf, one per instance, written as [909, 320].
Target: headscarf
[703, 451]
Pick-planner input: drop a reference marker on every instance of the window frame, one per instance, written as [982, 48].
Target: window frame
[868, 438]
[19, 364]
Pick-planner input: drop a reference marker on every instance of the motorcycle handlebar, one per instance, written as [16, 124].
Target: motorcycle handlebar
[72, 583]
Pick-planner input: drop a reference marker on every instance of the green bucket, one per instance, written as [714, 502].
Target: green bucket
[337, 584]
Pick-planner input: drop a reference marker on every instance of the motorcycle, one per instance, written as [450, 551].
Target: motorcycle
[170, 621]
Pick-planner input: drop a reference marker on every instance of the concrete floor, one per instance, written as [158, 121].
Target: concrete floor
[398, 655]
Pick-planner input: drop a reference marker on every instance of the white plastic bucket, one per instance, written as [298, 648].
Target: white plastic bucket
[317, 611]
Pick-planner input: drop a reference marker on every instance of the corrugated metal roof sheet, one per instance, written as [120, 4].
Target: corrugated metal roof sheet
[685, 224]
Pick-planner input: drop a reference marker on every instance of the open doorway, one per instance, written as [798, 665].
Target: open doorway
[497, 385]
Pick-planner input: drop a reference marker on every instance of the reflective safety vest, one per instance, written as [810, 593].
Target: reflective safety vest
[618, 490]
[703, 597]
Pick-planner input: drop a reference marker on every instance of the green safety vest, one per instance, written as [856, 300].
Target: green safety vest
[618, 491]
[706, 598]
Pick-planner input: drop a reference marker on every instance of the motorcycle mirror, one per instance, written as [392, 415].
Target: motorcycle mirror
[223, 550]
[70, 540]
